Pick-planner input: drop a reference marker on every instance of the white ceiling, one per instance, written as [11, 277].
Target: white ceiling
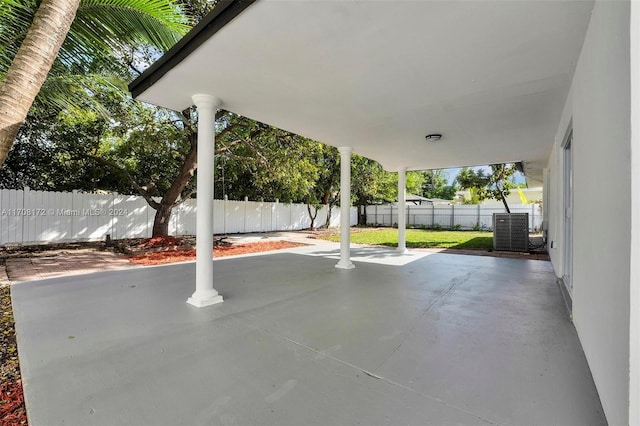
[491, 76]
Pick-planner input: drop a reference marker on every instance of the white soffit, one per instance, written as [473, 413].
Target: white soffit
[491, 76]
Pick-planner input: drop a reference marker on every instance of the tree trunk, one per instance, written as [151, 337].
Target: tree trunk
[161, 221]
[30, 67]
[313, 215]
[362, 215]
[328, 221]
[504, 201]
[170, 198]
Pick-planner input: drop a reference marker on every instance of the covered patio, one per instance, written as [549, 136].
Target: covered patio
[552, 85]
[425, 338]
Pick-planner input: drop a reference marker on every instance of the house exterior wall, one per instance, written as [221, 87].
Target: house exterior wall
[551, 212]
[598, 110]
[533, 195]
[634, 299]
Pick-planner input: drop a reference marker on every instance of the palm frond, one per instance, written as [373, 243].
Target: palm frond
[84, 91]
[100, 26]
[93, 58]
[117, 23]
[15, 19]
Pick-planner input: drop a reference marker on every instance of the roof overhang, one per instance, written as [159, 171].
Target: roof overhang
[491, 76]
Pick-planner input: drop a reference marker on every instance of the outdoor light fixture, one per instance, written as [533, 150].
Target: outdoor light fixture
[434, 137]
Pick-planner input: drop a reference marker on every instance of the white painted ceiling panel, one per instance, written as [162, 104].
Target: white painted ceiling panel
[491, 76]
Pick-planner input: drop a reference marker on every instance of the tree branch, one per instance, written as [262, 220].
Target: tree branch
[139, 189]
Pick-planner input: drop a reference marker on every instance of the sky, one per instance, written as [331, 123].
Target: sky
[452, 173]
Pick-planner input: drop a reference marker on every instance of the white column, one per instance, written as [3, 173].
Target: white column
[402, 210]
[345, 205]
[634, 279]
[205, 294]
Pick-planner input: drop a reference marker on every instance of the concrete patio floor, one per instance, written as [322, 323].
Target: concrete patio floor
[429, 338]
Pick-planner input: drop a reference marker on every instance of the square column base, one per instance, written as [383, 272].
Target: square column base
[201, 302]
[345, 265]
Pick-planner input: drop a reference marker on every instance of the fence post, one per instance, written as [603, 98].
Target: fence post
[376, 215]
[408, 219]
[291, 215]
[244, 220]
[391, 215]
[74, 194]
[22, 217]
[453, 215]
[533, 216]
[224, 214]
[433, 215]
[275, 207]
[478, 221]
[113, 206]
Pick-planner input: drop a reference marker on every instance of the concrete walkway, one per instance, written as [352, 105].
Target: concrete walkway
[431, 339]
[58, 263]
[73, 262]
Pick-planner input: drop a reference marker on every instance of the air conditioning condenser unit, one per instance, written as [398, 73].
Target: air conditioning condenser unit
[511, 232]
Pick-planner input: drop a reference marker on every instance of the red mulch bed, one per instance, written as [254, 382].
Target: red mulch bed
[158, 242]
[176, 255]
[12, 411]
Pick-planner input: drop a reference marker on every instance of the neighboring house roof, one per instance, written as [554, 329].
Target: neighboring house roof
[414, 197]
[418, 199]
[531, 194]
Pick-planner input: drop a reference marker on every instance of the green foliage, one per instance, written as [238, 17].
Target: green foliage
[478, 227]
[371, 184]
[263, 162]
[495, 185]
[100, 27]
[106, 41]
[413, 182]
[52, 153]
[419, 238]
[473, 197]
[9, 363]
[435, 185]
[148, 143]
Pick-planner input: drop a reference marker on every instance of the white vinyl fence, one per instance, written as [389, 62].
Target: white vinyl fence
[466, 217]
[37, 216]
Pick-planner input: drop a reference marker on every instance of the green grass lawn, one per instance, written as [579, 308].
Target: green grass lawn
[421, 238]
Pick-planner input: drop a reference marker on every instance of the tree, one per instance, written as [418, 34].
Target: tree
[51, 153]
[326, 190]
[495, 185]
[271, 163]
[158, 157]
[155, 152]
[40, 37]
[107, 41]
[435, 185]
[371, 184]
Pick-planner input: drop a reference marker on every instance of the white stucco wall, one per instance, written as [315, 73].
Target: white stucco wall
[634, 299]
[599, 110]
[553, 207]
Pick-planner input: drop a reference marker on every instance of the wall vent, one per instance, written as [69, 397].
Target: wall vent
[511, 231]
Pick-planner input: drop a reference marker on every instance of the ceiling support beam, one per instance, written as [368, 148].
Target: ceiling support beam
[402, 210]
[205, 294]
[345, 207]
